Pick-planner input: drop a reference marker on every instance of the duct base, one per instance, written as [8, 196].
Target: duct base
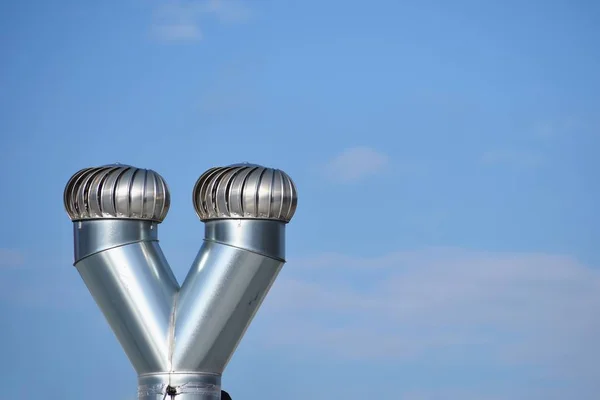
[179, 386]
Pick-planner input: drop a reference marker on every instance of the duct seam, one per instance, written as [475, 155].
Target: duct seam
[246, 249]
[193, 387]
[112, 247]
[147, 390]
[172, 334]
[186, 388]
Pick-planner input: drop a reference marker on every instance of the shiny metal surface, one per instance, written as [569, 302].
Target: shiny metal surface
[245, 191]
[184, 385]
[93, 236]
[260, 236]
[217, 302]
[117, 191]
[135, 290]
[179, 340]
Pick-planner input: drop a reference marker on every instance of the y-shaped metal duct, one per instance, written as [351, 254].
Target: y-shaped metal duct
[179, 339]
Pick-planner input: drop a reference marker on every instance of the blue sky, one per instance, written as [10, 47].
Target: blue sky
[445, 243]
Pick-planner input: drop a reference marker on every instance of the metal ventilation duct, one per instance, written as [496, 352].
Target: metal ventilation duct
[179, 339]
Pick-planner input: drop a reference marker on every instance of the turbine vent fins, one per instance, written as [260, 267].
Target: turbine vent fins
[117, 191]
[245, 191]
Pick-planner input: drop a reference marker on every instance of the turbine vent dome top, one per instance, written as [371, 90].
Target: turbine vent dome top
[117, 191]
[245, 191]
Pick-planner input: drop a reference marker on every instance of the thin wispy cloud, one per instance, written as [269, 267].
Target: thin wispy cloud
[178, 32]
[563, 127]
[525, 310]
[10, 258]
[43, 288]
[505, 393]
[230, 11]
[355, 164]
[182, 20]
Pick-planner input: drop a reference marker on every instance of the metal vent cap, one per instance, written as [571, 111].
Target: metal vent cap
[117, 191]
[245, 191]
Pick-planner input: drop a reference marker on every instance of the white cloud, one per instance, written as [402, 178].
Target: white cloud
[445, 305]
[513, 393]
[44, 289]
[230, 11]
[181, 20]
[10, 258]
[40, 282]
[561, 127]
[355, 164]
[179, 31]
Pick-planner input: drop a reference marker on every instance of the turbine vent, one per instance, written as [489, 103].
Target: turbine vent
[117, 191]
[179, 338]
[245, 191]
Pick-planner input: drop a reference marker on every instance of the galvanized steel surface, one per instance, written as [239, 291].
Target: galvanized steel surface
[179, 337]
[95, 235]
[117, 191]
[245, 191]
[134, 288]
[180, 386]
[219, 299]
[264, 237]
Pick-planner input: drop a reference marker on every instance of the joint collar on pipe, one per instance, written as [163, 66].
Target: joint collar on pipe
[262, 236]
[94, 236]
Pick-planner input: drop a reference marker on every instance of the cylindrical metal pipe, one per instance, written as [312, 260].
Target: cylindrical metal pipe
[180, 386]
[179, 340]
[226, 285]
[129, 278]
